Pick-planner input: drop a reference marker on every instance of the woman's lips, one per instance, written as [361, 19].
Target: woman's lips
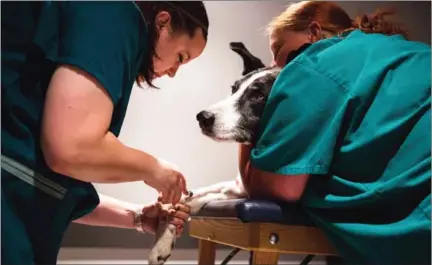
[156, 75]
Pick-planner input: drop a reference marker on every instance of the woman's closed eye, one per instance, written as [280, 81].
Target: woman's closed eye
[275, 50]
[180, 59]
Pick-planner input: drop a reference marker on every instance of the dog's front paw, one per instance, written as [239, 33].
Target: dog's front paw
[163, 247]
[159, 255]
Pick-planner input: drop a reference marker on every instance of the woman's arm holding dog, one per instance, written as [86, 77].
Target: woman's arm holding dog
[262, 184]
[112, 212]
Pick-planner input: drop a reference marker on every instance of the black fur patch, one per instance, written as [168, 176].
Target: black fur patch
[251, 103]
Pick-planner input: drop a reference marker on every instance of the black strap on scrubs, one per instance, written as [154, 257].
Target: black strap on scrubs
[292, 55]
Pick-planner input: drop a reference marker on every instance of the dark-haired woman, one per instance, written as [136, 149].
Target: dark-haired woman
[67, 73]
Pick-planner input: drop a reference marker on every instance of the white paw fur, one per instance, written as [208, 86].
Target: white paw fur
[165, 240]
[166, 233]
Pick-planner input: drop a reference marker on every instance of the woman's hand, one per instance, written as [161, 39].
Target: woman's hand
[170, 183]
[177, 216]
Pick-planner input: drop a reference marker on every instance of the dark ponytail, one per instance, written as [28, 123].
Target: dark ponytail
[186, 16]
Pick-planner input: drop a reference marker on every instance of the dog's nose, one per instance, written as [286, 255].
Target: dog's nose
[205, 118]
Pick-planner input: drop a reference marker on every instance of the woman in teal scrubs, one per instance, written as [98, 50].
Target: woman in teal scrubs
[67, 73]
[346, 132]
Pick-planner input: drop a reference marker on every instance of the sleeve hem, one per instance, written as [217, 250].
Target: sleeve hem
[311, 170]
[289, 170]
[95, 74]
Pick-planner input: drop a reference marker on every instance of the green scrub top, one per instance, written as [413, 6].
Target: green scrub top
[354, 113]
[107, 40]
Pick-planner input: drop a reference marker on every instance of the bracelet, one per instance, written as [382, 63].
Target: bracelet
[138, 215]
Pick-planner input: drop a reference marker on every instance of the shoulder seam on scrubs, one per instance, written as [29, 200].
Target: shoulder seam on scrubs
[142, 15]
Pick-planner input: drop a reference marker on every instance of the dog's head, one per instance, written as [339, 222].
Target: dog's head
[237, 117]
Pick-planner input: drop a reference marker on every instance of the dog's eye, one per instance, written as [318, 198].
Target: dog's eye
[257, 95]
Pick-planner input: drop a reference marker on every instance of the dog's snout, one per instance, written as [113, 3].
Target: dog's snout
[205, 118]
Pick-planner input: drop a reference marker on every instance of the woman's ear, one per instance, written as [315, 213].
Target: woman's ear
[315, 32]
[162, 19]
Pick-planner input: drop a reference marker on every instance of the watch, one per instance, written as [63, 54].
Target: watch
[138, 216]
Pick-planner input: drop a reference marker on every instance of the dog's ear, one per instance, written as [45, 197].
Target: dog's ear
[250, 62]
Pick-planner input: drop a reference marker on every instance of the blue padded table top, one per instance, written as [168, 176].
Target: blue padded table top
[248, 211]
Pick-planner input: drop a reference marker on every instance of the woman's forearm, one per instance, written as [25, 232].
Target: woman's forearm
[252, 186]
[111, 213]
[268, 185]
[243, 160]
[75, 137]
[105, 161]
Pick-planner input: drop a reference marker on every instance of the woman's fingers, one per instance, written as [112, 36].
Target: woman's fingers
[176, 197]
[182, 208]
[167, 197]
[183, 185]
[177, 221]
[181, 214]
[179, 231]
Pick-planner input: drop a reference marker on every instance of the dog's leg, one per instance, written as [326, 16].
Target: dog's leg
[221, 191]
[166, 233]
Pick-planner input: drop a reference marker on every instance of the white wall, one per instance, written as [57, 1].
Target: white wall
[163, 122]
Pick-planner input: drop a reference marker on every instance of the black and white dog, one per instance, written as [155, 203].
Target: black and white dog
[237, 117]
[234, 119]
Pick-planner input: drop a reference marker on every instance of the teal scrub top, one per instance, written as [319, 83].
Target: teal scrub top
[105, 39]
[108, 40]
[354, 113]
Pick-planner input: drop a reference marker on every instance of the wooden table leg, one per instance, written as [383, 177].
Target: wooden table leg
[264, 258]
[207, 252]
